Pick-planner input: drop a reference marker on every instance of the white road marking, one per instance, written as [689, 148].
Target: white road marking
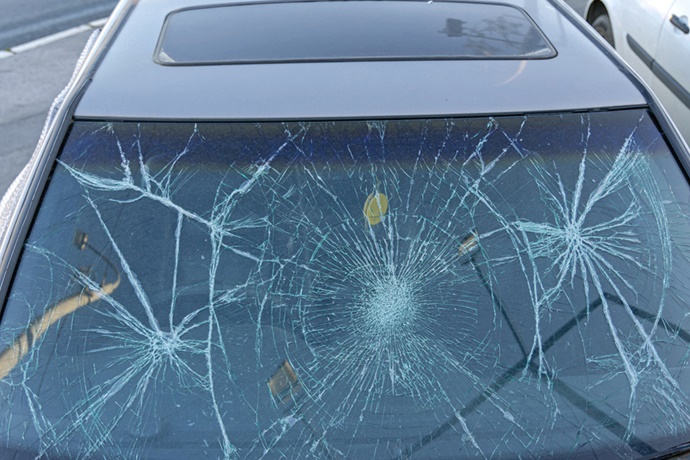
[97, 24]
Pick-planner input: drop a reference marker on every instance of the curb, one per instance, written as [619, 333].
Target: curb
[97, 24]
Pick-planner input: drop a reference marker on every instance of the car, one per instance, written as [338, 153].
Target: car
[653, 37]
[348, 229]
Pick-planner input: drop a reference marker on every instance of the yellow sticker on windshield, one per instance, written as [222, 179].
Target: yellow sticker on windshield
[469, 245]
[375, 207]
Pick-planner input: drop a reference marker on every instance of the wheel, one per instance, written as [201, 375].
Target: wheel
[602, 24]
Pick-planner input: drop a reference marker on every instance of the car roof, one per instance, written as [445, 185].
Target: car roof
[132, 82]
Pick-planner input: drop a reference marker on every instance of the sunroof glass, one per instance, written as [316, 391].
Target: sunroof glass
[349, 31]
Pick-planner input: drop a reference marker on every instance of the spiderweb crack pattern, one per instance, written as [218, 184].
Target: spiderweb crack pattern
[413, 274]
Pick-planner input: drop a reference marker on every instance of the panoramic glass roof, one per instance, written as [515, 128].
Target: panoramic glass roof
[342, 31]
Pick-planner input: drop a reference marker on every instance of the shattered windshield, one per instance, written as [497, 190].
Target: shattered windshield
[448, 288]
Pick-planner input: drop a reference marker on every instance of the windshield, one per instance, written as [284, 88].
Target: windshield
[482, 287]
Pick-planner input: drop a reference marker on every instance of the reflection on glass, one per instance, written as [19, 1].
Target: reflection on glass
[363, 30]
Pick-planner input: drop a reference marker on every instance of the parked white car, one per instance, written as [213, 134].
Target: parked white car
[653, 36]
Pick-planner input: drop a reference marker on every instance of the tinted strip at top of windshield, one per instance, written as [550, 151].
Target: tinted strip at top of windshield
[349, 31]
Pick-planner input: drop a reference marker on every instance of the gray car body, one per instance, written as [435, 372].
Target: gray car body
[128, 84]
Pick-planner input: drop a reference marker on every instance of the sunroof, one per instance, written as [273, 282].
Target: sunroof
[349, 31]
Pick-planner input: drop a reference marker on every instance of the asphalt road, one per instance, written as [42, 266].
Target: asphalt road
[25, 20]
[30, 81]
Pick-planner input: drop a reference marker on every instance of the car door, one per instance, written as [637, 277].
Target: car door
[636, 32]
[671, 68]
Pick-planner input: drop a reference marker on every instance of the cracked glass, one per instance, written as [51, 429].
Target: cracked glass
[445, 288]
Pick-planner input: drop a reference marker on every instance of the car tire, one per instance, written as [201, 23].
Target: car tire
[602, 24]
